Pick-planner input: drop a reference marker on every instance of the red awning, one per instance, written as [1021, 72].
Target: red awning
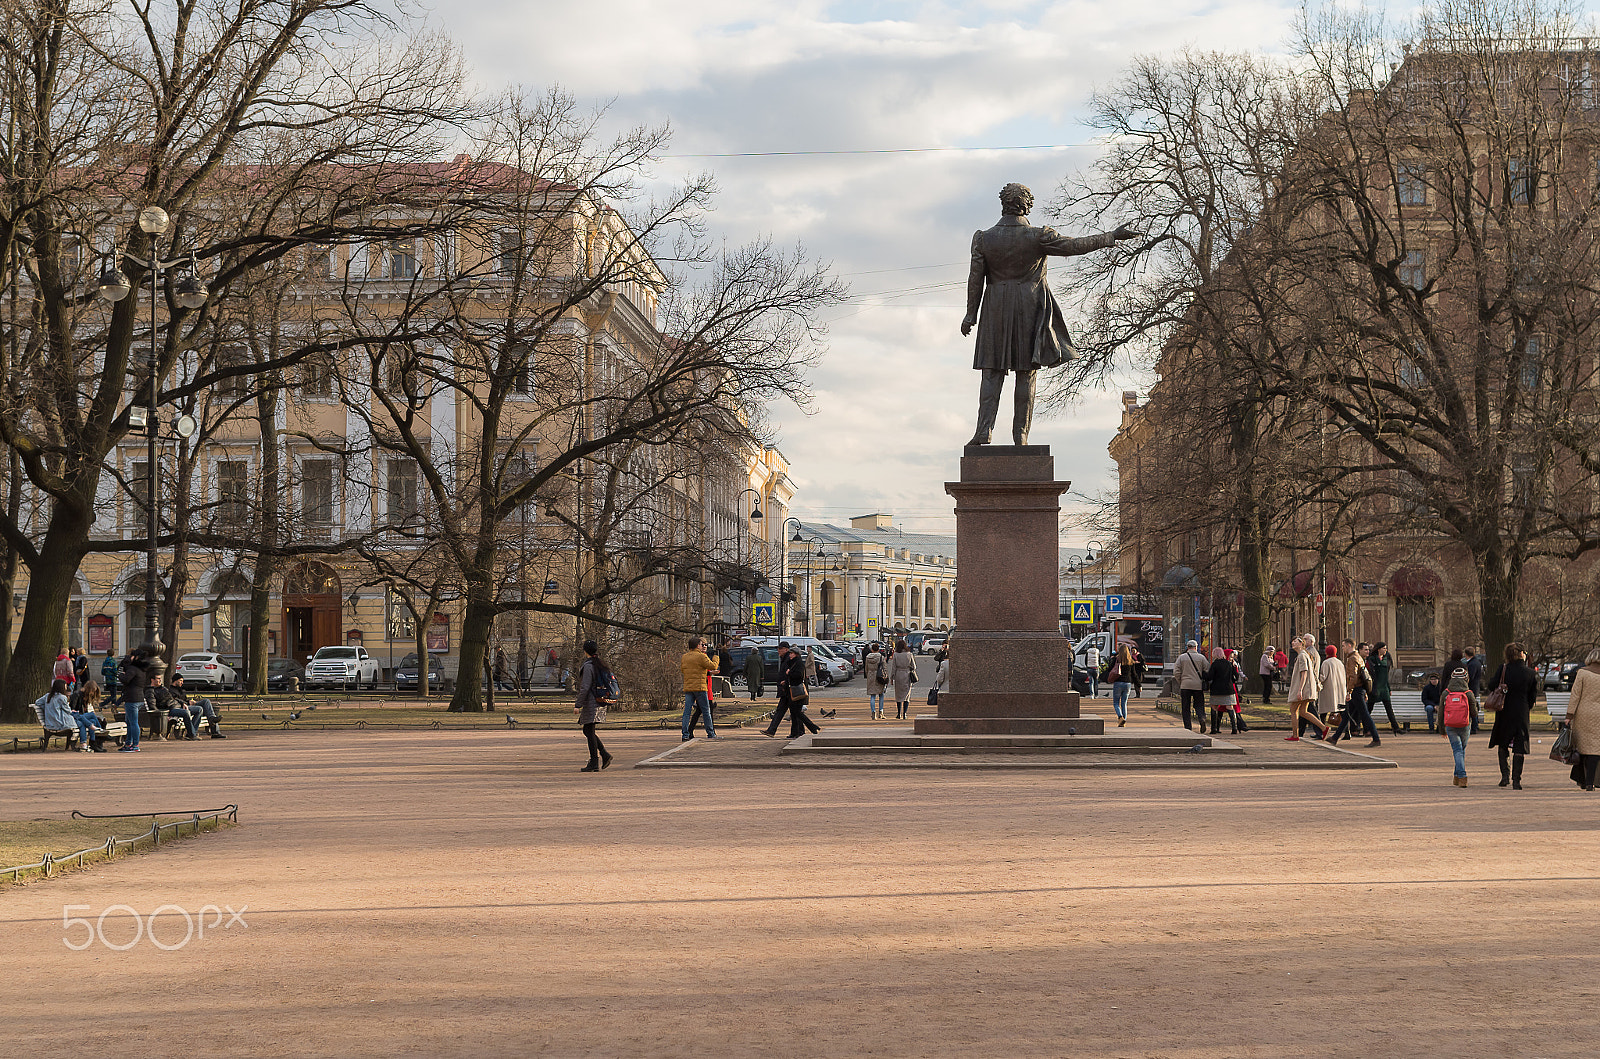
[1298, 587]
[1414, 581]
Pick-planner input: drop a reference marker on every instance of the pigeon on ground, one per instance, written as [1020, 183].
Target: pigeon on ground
[265, 717]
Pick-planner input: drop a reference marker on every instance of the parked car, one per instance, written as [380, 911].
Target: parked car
[932, 644]
[405, 674]
[1559, 674]
[281, 670]
[769, 663]
[831, 668]
[848, 650]
[342, 667]
[205, 669]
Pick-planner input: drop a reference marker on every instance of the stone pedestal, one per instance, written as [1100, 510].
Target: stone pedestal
[1010, 667]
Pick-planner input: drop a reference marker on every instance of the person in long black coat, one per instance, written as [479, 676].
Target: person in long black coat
[1510, 732]
[791, 678]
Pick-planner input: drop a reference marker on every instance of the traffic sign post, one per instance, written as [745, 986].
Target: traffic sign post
[764, 614]
[1114, 606]
[1320, 602]
[1082, 612]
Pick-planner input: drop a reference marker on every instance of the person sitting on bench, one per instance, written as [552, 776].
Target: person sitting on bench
[196, 710]
[55, 714]
[84, 700]
[175, 708]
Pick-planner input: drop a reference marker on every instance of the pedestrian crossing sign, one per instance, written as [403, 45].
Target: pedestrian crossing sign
[872, 623]
[764, 613]
[1083, 612]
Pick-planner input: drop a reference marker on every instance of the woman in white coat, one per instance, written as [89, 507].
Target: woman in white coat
[1335, 686]
[1303, 688]
[1583, 717]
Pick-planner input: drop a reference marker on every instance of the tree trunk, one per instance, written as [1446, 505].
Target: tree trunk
[1253, 569]
[49, 588]
[266, 566]
[260, 622]
[475, 623]
[1497, 603]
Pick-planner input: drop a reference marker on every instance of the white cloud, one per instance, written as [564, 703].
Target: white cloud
[895, 398]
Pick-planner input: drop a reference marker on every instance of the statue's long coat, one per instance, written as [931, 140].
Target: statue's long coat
[1020, 327]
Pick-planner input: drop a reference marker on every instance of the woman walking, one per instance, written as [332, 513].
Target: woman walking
[1121, 674]
[1379, 664]
[1583, 718]
[877, 672]
[1303, 688]
[1357, 717]
[1455, 720]
[903, 673]
[941, 674]
[1220, 683]
[1510, 731]
[1335, 686]
[594, 685]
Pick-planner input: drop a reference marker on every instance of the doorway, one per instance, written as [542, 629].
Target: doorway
[311, 604]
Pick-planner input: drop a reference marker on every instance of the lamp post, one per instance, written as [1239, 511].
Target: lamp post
[1100, 569]
[738, 553]
[783, 571]
[190, 293]
[883, 595]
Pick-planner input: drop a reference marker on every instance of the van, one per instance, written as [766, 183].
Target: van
[1144, 631]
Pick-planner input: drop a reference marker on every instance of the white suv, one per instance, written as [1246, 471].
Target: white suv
[342, 667]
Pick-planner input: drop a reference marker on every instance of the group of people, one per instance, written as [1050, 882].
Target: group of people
[1219, 678]
[1344, 683]
[896, 669]
[74, 701]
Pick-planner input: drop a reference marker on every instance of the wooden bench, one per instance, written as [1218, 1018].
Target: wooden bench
[114, 730]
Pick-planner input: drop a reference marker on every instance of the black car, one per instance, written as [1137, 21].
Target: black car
[405, 675]
[279, 672]
[769, 663]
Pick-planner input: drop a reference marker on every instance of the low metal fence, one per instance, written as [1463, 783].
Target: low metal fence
[196, 817]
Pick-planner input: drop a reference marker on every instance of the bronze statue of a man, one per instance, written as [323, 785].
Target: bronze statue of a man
[1020, 328]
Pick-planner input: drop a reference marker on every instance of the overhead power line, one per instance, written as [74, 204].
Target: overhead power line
[878, 150]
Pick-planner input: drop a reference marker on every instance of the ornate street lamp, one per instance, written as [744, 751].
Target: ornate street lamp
[189, 293]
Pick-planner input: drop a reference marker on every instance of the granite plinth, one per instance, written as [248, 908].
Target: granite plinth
[1008, 704]
[1085, 724]
[1008, 659]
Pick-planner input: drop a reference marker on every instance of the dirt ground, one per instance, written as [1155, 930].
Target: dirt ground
[471, 893]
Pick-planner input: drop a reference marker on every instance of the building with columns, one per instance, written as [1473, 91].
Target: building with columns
[871, 576]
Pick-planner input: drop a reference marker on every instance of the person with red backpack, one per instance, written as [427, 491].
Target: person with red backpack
[1455, 721]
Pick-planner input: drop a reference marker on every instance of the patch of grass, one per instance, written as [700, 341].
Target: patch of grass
[27, 841]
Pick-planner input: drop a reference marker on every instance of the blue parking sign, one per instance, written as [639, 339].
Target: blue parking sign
[1114, 605]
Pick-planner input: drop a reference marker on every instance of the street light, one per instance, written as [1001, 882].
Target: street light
[738, 553]
[189, 293]
[783, 570]
[1100, 568]
[883, 597]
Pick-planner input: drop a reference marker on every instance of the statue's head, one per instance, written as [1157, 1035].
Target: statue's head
[1015, 200]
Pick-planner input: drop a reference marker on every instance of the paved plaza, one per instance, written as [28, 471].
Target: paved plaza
[473, 894]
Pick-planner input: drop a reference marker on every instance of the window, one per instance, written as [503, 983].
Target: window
[402, 259]
[1413, 623]
[401, 625]
[1409, 374]
[234, 360]
[1532, 373]
[916, 601]
[1524, 472]
[944, 603]
[233, 491]
[510, 247]
[1522, 180]
[899, 599]
[316, 376]
[927, 602]
[228, 624]
[316, 491]
[320, 262]
[138, 487]
[1413, 184]
[519, 467]
[403, 500]
[1413, 271]
[519, 362]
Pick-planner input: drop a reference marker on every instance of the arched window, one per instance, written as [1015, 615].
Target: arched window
[899, 599]
[944, 603]
[829, 604]
[927, 602]
[311, 579]
[916, 600]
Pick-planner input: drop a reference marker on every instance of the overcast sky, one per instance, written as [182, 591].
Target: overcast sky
[896, 396]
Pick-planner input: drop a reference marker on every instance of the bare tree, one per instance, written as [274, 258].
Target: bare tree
[258, 126]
